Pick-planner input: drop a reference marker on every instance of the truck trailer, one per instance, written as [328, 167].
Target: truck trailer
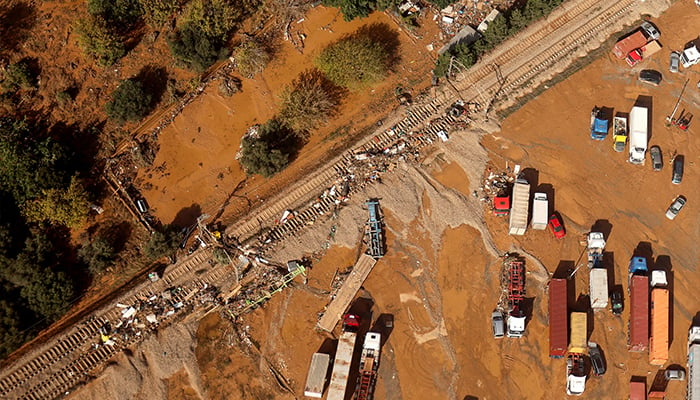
[558, 318]
[316, 378]
[694, 363]
[638, 338]
[343, 358]
[631, 42]
[579, 325]
[598, 279]
[638, 134]
[658, 342]
[578, 347]
[638, 390]
[540, 211]
[519, 207]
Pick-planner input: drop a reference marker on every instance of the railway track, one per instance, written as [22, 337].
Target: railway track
[67, 361]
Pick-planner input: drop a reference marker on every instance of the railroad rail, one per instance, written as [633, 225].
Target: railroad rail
[63, 362]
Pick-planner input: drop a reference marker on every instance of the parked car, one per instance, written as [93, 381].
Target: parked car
[674, 374]
[498, 324]
[616, 302]
[556, 227]
[597, 361]
[674, 62]
[675, 207]
[677, 176]
[650, 76]
[651, 31]
[656, 159]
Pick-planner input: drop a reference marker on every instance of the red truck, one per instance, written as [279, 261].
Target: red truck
[631, 42]
[638, 339]
[558, 318]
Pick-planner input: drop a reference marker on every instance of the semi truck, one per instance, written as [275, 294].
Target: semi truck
[516, 296]
[658, 342]
[519, 207]
[369, 364]
[598, 279]
[343, 358]
[558, 318]
[638, 338]
[638, 134]
[599, 126]
[690, 56]
[694, 363]
[642, 53]
[540, 211]
[631, 42]
[316, 378]
[595, 244]
[578, 347]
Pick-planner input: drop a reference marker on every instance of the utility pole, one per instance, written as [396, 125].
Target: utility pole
[673, 114]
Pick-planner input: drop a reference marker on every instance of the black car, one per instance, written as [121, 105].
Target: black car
[597, 361]
[650, 76]
[616, 302]
[677, 170]
[656, 160]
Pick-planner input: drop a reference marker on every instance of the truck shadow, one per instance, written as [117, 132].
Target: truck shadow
[603, 226]
[644, 250]
[384, 325]
[609, 265]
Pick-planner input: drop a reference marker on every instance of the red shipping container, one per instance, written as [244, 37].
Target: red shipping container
[639, 313]
[558, 318]
[638, 391]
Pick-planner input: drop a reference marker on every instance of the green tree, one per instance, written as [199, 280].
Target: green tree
[11, 336]
[67, 207]
[97, 255]
[497, 32]
[214, 18]
[162, 242]
[193, 48]
[18, 76]
[99, 41]
[352, 9]
[251, 58]
[116, 11]
[158, 12]
[49, 293]
[130, 102]
[268, 153]
[354, 61]
[307, 101]
[517, 21]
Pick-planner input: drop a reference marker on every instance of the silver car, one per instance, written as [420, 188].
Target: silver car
[656, 160]
[651, 31]
[675, 207]
[674, 62]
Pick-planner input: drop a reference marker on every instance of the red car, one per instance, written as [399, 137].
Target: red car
[556, 227]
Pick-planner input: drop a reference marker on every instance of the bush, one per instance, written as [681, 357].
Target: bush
[194, 49]
[66, 207]
[97, 255]
[18, 76]
[352, 9]
[309, 100]
[99, 41]
[158, 12]
[162, 242]
[354, 61]
[268, 153]
[129, 102]
[251, 58]
[214, 18]
[117, 12]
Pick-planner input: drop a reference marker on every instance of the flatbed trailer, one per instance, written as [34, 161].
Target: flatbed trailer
[343, 359]
[520, 205]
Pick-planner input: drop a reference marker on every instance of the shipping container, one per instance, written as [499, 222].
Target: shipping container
[658, 342]
[579, 333]
[693, 360]
[316, 378]
[558, 318]
[638, 390]
[638, 338]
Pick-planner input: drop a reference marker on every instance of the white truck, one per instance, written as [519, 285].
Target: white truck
[540, 211]
[693, 361]
[638, 134]
[690, 56]
[598, 278]
[519, 208]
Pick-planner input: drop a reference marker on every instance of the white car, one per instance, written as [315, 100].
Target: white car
[675, 207]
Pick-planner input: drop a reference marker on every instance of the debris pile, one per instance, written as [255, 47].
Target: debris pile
[495, 184]
[454, 17]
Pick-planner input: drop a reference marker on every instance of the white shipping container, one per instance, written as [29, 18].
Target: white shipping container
[599, 288]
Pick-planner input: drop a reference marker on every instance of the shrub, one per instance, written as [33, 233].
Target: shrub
[158, 12]
[67, 207]
[161, 242]
[117, 12]
[214, 18]
[193, 48]
[99, 41]
[268, 153]
[354, 61]
[352, 9]
[308, 101]
[129, 102]
[18, 76]
[251, 58]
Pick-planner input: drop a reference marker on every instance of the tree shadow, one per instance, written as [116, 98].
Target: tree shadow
[187, 216]
[154, 80]
[603, 226]
[85, 144]
[385, 35]
[663, 263]
[15, 23]
[117, 234]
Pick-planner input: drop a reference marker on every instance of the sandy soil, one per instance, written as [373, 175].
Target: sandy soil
[195, 169]
[439, 280]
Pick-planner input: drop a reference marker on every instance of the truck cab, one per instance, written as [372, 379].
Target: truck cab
[516, 323]
[690, 56]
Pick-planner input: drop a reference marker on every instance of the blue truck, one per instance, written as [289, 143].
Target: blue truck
[599, 126]
[638, 266]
